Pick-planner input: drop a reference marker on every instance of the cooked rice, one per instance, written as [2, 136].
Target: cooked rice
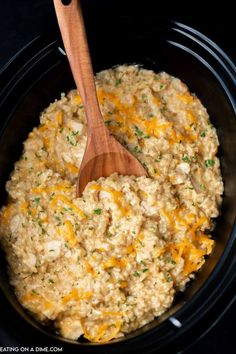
[109, 262]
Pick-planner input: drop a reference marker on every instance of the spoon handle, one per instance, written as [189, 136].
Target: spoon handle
[71, 23]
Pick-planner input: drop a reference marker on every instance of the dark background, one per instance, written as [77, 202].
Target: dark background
[23, 20]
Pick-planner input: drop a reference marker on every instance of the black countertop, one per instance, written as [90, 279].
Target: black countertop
[23, 20]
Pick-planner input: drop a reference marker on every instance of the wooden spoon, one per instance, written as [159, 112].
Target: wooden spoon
[103, 154]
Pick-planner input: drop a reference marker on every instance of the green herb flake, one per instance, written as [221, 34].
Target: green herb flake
[118, 82]
[209, 163]
[136, 274]
[186, 159]
[97, 211]
[168, 277]
[78, 259]
[144, 270]
[143, 263]
[158, 159]
[34, 292]
[37, 200]
[203, 134]
[138, 132]
[137, 149]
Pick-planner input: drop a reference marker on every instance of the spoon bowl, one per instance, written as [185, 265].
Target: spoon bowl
[105, 158]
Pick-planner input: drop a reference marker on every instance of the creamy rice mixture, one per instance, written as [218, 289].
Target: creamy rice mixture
[107, 263]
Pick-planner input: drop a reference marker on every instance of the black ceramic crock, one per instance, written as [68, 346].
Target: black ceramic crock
[40, 72]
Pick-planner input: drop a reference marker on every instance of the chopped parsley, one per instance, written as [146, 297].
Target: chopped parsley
[138, 132]
[209, 163]
[203, 134]
[72, 138]
[144, 270]
[37, 200]
[143, 263]
[136, 274]
[168, 277]
[186, 159]
[34, 292]
[97, 211]
[118, 82]
[158, 159]
[137, 149]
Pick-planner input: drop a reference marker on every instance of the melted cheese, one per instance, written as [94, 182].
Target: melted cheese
[187, 98]
[59, 118]
[24, 206]
[6, 214]
[114, 262]
[70, 234]
[116, 195]
[65, 200]
[103, 328]
[77, 295]
[37, 302]
[89, 268]
[72, 168]
[127, 115]
[58, 188]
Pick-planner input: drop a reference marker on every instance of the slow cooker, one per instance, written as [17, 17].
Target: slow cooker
[40, 72]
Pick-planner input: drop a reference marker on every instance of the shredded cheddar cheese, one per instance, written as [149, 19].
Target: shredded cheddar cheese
[70, 234]
[76, 295]
[59, 118]
[24, 206]
[103, 264]
[116, 195]
[63, 199]
[72, 168]
[114, 262]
